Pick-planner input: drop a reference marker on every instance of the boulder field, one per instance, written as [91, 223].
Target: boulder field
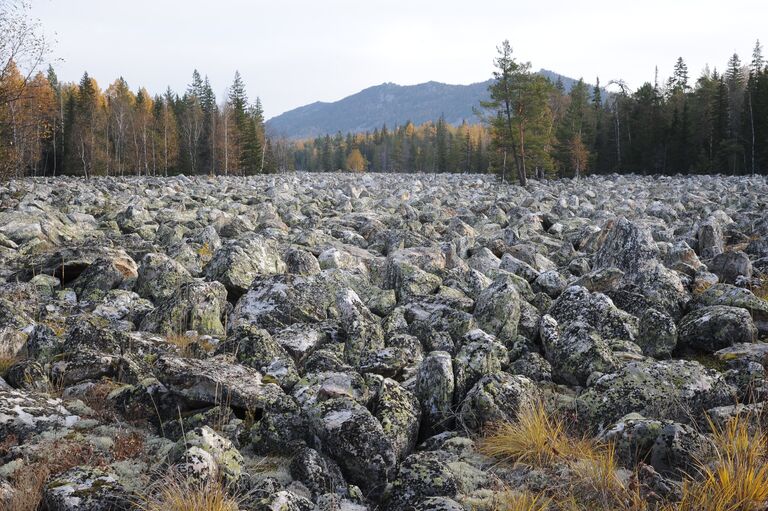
[341, 342]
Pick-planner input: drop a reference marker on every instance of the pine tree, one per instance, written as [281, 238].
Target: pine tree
[249, 155]
[680, 76]
[442, 145]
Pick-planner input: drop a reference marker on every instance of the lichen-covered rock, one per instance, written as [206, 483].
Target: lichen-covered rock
[133, 218]
[629, 246]
[198, 306]
[283, 300]
[300, 262]
[365, 313]
[239, 261]
[353, 438]
[422, 475]
[435, 387]
[228, 462]
[576, 352]
[662, 287]
[532, 365]
[732, 296]
[13, 323]
[400, 359]
[314, 387]
[671, 448]
[496, 397]
[596, 310]
[25, 414]
[439, 504]
[214, 381]
[551, 283]
[719, 326]
[683, 258]
[254, 347]
[159, 277]
[658, 334]
[301, 340]
[27, 375]
[123, 306]
[498, 309]
[285, 500]
[520, 268]
[481, 354]
[673, 389]
[318, 473]
[408, 280]
[86, 489]
[364, 335]
[731, 266]
[399, 413]
[710, 237]
[750, 352]
[105, 274]
[438, 323]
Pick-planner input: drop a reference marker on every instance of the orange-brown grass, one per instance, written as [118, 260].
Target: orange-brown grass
[28, 484]
[175, 492]
[28, 481]
[7, 443]
[127, 446]
[187, 344]
[738, 478]
[541, 440]
[761, 290]
[520, 501]
[535, 438]
[700, 287]
[5, 364]
[96, 399]
[66, 454]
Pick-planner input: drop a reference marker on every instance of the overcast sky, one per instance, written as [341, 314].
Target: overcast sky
[292, 52]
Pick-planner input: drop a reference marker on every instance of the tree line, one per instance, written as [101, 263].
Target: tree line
[717, 124]
[49, 128]
[53, 128]
[532, 126]
[429, 147]
[528, 126]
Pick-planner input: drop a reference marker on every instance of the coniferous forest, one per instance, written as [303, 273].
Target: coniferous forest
[716, 122]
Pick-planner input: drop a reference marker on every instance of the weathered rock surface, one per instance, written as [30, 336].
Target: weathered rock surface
[357, 330]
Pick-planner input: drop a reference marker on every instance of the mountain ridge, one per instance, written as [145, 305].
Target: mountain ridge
[388, 104]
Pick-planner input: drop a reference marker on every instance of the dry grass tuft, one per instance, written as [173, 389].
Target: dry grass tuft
[542, 440]
[178, 493]
[7, 443]
[700, 287]
[5, 364]
[96, 399]
[535, 438]
[738, 479]
[28, 484]
[128, 446]
[761, 290]
[520, 501]
[66, 454]
[189, 345]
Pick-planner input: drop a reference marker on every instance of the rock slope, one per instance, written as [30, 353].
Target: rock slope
[339, 342]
